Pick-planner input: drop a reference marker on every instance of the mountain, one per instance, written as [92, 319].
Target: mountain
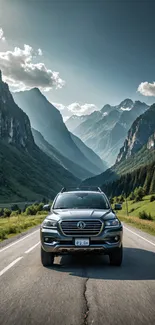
[104, 131]
[26, 173]
[48, 121]
[142, 129]
[75, 120]
[89, 154]
[57, 156]
[138, 150]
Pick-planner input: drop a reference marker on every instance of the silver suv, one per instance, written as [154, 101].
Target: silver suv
[81, 220]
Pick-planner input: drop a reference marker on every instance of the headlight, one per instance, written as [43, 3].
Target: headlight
[112, 223]
[48, 223]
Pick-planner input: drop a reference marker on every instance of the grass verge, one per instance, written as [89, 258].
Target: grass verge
[15, 225]
[145, 225]
[134, 210]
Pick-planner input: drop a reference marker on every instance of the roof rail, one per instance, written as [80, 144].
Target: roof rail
[81, 188]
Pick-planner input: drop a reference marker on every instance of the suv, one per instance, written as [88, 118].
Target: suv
[81, 220]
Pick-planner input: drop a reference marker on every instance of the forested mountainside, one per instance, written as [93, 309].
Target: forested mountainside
[143, 176]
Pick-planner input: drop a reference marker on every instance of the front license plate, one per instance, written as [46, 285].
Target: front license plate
[82, 242]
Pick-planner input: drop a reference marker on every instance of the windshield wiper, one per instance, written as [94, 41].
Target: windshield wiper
[60, 208]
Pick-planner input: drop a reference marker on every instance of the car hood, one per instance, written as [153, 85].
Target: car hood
[81, 214]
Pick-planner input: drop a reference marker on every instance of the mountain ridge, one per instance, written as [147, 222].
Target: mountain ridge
[26, 173]
[98, 131]
[48, 121]
[143, 153]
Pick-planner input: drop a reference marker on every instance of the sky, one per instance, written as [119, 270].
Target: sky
[82, 54]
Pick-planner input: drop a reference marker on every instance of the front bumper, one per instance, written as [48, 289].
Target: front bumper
[59, 244]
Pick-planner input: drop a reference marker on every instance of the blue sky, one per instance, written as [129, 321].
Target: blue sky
[102, 49]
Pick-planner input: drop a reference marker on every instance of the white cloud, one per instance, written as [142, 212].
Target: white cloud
[83, 109]
[147, 89]
[40, 52]
[2, 38]
[75, 109]
[20, 72]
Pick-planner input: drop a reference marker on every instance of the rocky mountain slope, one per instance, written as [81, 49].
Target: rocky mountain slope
[138, 149]
[26, 173]
[57, 156]
[48, 121]
[139, 134]
[105, 131]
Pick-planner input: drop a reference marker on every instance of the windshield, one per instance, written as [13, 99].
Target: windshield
[81, 201]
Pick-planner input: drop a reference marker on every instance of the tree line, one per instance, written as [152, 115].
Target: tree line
[142, 177]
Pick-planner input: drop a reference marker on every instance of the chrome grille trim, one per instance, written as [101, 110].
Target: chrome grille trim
[93, 227]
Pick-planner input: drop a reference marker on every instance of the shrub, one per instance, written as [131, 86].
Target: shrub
[40, 207]
[145, 216]
[15, 213]
[41, 213]
[15, 207]
[3, 234]
[121, 200]
[139, 194]
[13, 229]
[131, 196]
[152, 198]
[34, 209]
[7, 213]
[31, 210]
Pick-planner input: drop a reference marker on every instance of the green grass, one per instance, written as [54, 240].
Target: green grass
[134, 209]
[14, 225]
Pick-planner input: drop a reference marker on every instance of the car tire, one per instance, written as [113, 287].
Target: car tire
[47, 259]
[116, 257]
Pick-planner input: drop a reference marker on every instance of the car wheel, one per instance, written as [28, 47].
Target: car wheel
[47, 259]
[116, 257]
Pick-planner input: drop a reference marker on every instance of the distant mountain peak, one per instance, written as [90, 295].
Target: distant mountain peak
[126, 105]
[126, 102]
[37, 90]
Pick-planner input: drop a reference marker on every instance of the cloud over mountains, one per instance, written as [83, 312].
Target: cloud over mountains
[21, 71]
[147, 89]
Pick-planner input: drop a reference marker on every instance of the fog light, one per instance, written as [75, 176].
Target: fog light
[116, 238]
[46, 239]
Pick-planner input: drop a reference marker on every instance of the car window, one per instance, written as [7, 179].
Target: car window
[81, 201]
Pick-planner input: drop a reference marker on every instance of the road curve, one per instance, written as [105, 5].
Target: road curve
[78, 291]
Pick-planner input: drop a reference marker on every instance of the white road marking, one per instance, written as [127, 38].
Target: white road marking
[148, 241]
[10, 265]
[30, 249]
[16, 242]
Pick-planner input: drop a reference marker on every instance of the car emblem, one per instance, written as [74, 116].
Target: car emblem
[81, 225]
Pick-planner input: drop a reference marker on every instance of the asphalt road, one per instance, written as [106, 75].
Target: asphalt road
[78, 291]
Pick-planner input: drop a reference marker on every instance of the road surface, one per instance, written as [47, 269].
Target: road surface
[78, 291]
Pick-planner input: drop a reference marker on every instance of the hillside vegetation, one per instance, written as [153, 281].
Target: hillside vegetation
[144, 176]
[136, 212]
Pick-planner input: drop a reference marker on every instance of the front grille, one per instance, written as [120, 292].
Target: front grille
[92, 227]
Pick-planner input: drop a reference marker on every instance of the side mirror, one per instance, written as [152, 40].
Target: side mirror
[118, 207]
[47, 207]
